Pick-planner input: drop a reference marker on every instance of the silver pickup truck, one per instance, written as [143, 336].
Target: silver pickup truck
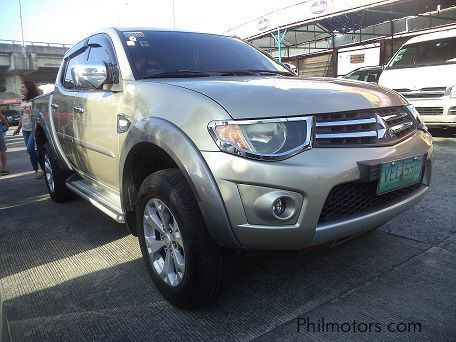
[205, 146]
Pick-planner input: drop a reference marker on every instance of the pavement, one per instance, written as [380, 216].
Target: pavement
[70, 273]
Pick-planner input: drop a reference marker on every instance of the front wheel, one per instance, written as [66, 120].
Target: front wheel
[185, 264]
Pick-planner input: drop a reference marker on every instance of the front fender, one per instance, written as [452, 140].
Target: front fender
[190, 161]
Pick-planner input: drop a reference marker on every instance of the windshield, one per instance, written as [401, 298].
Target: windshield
[435, 52]
[193, 55]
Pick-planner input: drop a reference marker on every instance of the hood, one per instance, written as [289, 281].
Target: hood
[437, 76]
[266, 97]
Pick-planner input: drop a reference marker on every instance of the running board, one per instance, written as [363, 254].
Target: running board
[103, 199]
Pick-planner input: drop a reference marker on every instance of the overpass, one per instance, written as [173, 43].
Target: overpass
[36, 61]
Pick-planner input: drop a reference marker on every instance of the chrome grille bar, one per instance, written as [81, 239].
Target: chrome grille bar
[401, 127]
[363, 127]
[422, 93]
[394, 116]
[346, 122]
[366, 134]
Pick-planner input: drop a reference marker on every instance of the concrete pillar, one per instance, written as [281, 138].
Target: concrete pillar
[13, 83]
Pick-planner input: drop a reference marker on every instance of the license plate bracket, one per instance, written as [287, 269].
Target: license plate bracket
[400, 174]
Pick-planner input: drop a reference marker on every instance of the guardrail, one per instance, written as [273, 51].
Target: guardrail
[29, 43]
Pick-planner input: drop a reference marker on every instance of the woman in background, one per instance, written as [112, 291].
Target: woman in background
[3, 128]
[29, 90]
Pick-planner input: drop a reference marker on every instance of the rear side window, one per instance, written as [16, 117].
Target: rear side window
[373, 76]
[435, 52]
[354, 76]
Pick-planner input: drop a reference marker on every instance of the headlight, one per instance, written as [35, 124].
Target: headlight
[417, 116]
[273, 139]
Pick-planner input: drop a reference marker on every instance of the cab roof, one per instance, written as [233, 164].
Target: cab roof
[432, 36]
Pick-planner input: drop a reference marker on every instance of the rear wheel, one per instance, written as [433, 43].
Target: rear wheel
[185, 264]
[55, 177]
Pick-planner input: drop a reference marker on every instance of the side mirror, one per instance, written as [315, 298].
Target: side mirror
[89, 75]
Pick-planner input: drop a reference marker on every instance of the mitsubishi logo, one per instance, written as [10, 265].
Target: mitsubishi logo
[382, 129]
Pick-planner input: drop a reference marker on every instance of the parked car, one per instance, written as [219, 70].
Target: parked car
[291, 67]
[204, 146]
[424, 71]
[366, 74]
[12, 116]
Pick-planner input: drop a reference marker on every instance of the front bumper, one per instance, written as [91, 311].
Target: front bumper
[437, 112]
[308, 177]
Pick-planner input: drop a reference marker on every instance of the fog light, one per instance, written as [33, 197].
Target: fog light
[279, 206]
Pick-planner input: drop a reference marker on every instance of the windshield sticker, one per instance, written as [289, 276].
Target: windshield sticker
[132, 38]
[130, 43]
[144, 43]
[134, 34]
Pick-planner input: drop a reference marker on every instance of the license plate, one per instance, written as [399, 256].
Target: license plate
[399, 174]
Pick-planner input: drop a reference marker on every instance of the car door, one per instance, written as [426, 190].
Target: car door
[63, 101]
[95, 123]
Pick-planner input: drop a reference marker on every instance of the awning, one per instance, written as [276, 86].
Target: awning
[9, 98]
[341, 23]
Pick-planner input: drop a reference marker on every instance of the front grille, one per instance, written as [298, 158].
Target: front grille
[351, 199]
[430, 110]
[365, 127]
[432, 92]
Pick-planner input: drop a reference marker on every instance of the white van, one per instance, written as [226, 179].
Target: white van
[424, 71]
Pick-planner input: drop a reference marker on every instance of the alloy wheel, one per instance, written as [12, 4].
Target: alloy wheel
[48, 173]
[164, 242]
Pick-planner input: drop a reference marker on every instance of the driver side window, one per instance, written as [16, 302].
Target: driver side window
[99, 53]
[77, 58]
[101, 50]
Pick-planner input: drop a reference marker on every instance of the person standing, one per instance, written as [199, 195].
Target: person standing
[3, 128]
[29, 91]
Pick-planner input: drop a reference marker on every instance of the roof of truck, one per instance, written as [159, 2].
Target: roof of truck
[162, 29]
[432, 36]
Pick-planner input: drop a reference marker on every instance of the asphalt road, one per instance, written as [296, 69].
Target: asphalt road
[68, 272]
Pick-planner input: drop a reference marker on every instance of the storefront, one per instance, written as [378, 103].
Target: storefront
[9, 100]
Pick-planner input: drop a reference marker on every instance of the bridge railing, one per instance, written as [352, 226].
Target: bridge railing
[29, 43]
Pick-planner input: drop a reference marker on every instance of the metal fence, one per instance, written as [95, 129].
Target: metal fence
[29, 43]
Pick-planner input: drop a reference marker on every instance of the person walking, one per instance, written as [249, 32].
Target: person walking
[29, 91]
[3, 128]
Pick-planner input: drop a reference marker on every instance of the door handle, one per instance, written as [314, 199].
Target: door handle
[54, 105]
[78, 109]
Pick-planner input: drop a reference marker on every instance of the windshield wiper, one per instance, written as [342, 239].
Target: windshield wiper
[190, 73]
[179, 73]
[248, 72]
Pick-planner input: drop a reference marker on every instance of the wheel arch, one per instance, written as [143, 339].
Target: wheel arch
[164, 145]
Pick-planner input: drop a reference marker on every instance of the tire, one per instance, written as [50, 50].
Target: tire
[55, 178]
[199, 270]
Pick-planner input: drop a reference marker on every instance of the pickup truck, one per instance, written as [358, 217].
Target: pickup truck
[207, 147]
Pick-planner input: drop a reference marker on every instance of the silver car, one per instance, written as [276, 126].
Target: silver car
[204, 145]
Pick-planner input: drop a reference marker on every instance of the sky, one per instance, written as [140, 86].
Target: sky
[67, 21]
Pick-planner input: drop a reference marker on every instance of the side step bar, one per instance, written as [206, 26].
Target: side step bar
[101, 198]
